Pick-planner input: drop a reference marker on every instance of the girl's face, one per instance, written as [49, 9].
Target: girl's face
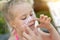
[24, 15]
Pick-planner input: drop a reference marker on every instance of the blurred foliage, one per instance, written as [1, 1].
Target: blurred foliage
[3, 26]
[43, 12]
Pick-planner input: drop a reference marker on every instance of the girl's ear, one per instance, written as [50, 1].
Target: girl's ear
[12, 23]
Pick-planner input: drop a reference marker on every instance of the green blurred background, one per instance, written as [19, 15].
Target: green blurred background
[3, 26]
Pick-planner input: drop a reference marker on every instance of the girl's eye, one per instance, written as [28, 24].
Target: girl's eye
[23, 18]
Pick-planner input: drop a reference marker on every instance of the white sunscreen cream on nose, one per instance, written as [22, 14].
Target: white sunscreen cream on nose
[28, 20]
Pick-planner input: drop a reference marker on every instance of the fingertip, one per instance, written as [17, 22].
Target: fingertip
[49, 18]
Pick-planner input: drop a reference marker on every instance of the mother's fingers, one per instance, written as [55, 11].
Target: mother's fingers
[31, 35]
[43, 19]
[24, 39]
[26, 36]
[30, 31]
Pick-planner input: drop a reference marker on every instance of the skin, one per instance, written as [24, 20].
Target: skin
[24, 28]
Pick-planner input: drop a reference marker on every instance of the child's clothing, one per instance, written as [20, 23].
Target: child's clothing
[14, 36]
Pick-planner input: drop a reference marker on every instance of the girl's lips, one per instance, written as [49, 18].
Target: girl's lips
[31, 24]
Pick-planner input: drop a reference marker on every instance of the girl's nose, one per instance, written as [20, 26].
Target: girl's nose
[31, 19]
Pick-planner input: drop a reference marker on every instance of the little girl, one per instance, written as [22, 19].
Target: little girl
[21, 18]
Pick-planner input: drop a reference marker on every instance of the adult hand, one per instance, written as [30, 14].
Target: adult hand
[32, 35]
[45, 23]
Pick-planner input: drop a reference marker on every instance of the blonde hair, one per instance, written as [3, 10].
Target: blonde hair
[10, 4]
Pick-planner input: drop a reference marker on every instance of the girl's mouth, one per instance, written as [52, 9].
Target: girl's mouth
[32, 24]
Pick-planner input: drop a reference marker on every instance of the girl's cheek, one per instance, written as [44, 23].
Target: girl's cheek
[19, 22]
[26, 22]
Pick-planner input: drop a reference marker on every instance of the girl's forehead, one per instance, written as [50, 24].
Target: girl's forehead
[22, 9]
